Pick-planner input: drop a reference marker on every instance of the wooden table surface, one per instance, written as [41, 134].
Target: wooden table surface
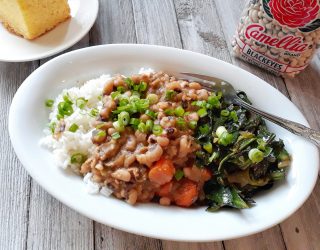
[31, 219]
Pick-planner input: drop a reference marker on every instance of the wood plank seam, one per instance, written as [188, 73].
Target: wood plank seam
[179, 29]
[28, 210]
[30, 184]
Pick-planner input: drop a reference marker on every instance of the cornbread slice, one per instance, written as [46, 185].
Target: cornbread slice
[32, 18]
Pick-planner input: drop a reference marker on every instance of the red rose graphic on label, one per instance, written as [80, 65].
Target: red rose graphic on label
[294, 13]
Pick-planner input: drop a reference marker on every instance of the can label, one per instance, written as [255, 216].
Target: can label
[279, 35]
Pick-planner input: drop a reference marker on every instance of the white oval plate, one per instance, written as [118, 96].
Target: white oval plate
[28, 116]
[14, 48]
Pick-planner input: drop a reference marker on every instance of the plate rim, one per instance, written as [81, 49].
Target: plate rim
[139, 232]
[61, 48]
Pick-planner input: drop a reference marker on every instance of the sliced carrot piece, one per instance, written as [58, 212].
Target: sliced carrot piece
[162, 172]
[186, 194]
[165, 189]
[205, 174]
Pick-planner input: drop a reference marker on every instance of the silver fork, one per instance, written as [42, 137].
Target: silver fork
[215, 84]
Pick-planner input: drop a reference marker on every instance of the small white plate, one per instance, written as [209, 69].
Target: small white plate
[28, 116]
[14, 48]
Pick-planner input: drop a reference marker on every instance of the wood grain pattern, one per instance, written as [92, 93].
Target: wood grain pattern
[301, 230]
[305, 92]
[156, 23]
[109, 238]
[31, 219]
[269, 239]
[115, 23]
[172, 245]
[200, 28]
[53, 225]
[14, 181]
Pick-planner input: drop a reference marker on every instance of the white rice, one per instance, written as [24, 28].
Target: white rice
[70, 143]
[80, 141]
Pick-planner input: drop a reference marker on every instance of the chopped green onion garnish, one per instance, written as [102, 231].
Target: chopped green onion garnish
[102, 124]
[178, 175]
[255, 155]
[170, 94]
[65, 108]
[52, 127]
[234, 116]
[149, 125]
[179, 111]
[81, 102]
[73, 128]
[94, 112]
[202, 112]
[101, 133]
[153, 98]
[225, 139]
[121, 89]
[200, 104]
[59, 117]
[169, 112]
[124, 118]
[151, 114]
[141, 105]
[224, 112]
[134, 122]
[49, 103]
[136, 87]
[192, 124]
[129, 82]
[213, 100]
[115, 94]
[134, 98]
[123, 102]
[66, 98]
[143, 86]
[157, 129]
[142, 127]
[115, 135]
[181, 123]
[118, 126]
[208, 147]
[99, 97]
[78, 158]
[220, 130]
[135, 93]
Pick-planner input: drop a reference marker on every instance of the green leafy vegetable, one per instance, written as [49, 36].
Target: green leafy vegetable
[237, 147]
[222, 196]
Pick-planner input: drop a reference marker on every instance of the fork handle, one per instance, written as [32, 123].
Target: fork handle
[293, 127]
